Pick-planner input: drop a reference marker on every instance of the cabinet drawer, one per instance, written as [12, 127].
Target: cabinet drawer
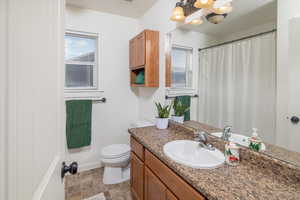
[137, 148]
[175, 183]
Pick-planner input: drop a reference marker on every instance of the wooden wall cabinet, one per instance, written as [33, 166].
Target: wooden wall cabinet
[138, 50]
[151, 179]
[144, 56]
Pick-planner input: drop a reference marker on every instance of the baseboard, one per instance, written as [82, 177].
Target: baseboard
[89, 166]
[41, 189]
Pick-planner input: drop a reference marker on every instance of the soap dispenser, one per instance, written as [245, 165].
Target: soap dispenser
[255, 142]
[232, 155]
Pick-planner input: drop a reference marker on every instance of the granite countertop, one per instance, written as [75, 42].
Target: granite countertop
[255, 178]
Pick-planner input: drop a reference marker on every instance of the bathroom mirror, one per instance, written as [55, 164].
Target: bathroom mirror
[242, 72]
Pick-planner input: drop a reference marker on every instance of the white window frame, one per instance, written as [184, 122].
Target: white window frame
[174, 91]
[96, 90]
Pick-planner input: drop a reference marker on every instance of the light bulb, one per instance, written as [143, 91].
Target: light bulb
[223, 9]
[216, 18]
[178, 14]
[196, 21]
[203, 3]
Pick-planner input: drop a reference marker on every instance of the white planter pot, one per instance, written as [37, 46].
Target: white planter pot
[162, 123]
[178, 119]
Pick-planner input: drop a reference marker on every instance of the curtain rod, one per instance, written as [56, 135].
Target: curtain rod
[243, 38]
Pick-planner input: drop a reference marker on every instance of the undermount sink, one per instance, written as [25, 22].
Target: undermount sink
[239, 139]
[189, 153]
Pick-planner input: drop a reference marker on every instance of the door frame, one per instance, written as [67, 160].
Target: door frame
[3, 99]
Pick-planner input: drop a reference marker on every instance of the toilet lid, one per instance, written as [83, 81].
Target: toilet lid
[115, 150]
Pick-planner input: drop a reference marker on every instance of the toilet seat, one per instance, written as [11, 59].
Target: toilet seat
[115, 151]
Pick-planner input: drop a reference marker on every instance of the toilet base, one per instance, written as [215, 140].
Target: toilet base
[115, 175]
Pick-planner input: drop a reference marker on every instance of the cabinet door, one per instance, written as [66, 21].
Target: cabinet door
[175, 183]
[137, 178]
[131, 53]
[170, 196]
[154, 188]
[140, 45]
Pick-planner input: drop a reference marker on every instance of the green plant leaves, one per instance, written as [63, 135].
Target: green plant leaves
[179, 108]
[163, 111]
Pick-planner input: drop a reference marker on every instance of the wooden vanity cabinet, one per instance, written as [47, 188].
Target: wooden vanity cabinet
[170, 196]
[137, 170]
[137, 177]
[144, 56]
[137, 149]
[151, 179]
[154, 188]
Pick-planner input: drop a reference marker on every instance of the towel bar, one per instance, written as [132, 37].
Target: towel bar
[103, 100]
[94, 100]
[173, 97]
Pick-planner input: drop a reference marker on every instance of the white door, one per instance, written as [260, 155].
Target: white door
[34, 99]
[3, 105]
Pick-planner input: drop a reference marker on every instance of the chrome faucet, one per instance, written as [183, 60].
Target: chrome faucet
[201, 137]
[226, 134]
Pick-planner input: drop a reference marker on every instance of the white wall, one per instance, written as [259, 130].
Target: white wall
[3, 99]
[111, 119]
[35, 97]
[287, 76]
[248, 32]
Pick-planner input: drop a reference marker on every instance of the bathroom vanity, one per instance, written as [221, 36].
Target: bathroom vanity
[160, 182]
[154, 176]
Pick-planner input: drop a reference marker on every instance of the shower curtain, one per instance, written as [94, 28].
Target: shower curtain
[237, 86]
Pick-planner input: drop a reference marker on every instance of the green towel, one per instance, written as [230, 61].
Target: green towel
[79, 122]
[186, 101]
[140, 78]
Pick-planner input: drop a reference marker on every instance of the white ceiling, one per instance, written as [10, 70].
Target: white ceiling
[128, 8]
[245, 14]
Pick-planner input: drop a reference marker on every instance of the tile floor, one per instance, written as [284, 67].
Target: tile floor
[89, 183]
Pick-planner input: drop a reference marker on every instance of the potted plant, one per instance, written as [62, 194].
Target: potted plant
[179, 111]
[162, 120]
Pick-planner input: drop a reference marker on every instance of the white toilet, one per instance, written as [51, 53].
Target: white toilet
[116, 159]
[116, 163]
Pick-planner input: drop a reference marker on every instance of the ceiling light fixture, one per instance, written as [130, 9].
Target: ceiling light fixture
[196, 21]
[203, 3]
[192, 11]
[178, 13]
[223, 9]
[216, 18]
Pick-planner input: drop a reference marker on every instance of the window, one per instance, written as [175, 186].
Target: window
[81, 61]
[181, 67]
